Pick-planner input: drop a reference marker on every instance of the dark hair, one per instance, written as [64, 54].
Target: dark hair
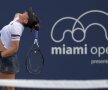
[33, 21]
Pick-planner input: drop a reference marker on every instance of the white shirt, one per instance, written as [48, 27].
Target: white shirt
[11, 32]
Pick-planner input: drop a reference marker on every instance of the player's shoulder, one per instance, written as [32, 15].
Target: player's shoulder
[17, 24]
[17, 15]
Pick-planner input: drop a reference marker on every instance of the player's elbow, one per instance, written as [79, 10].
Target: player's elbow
[15, 49]
[15, 46]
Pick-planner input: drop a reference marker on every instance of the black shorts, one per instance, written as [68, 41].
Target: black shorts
[9, 65]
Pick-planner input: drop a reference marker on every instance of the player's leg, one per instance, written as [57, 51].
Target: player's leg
[7, 76]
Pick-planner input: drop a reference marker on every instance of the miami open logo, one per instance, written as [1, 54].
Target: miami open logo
[78, 26]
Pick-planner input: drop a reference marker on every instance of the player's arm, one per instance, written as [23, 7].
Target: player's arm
[12, 50]
[16, 33]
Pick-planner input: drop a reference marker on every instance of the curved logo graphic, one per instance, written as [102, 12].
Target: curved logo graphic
[75, 28]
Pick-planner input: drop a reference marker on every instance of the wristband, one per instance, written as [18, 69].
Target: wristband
[1, 55]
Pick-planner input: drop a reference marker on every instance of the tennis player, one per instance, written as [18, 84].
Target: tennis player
[9, 43]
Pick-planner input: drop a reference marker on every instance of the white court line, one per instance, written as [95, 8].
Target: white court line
[56, 84]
